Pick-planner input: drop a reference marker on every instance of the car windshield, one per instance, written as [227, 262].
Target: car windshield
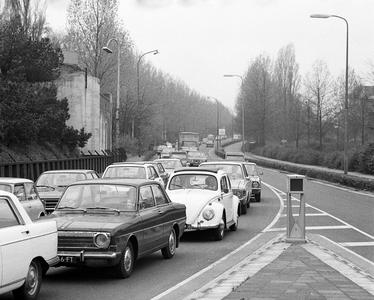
[193, 181]
[171, 164]
[179, 155]
[6, 187]
[58, 180]
[234, 171]
[196, 154]
[126, 172]
[99, 196]
[251, 170]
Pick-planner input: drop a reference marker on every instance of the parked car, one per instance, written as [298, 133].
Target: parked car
[26, 193]
[182, 155]
[160, 168]
[195, 158]
[139, 170]
[112, 222]
[254, 175]
[170, 164]
[210, 143]
[234, 156]
[209, 200]
[240, 182]
[27, 249]
[51, 184]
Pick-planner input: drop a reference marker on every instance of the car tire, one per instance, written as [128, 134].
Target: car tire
[124, 268]
[258, 197]
[234, 227]
[219, 232]
[169, 250]
[244, 209]
[31, 287]
[249, 202]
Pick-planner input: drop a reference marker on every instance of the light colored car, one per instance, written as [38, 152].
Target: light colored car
[51, 184]
[240, 182]
[132, 170]
[170, 164]
[109, 222]
[26, 193]
[254, 174]
[182, 155]
[161, 170]
[209, 199]
[27, 249]
[210, 143]
[195, 158]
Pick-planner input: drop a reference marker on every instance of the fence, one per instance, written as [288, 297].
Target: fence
[32, 169]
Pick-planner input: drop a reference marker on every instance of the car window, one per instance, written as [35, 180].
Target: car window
[125, 172]
[251, 169]
[146, 197]
[8, 217]
[159, 195]
[6, 187]
[224, 184]
[153, 172]
[31, 191]
[19, 191]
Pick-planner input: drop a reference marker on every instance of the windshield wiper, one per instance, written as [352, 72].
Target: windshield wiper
[71, 207]
[104, 208]
[45, 186]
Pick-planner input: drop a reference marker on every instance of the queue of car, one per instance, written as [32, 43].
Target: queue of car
[135, 209]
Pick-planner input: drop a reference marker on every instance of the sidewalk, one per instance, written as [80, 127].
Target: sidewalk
[280, 270]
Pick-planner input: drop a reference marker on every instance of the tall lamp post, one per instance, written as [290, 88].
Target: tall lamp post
[217, 118]
[108, 50]
[138, 84]
[325, 16]
[242, 92]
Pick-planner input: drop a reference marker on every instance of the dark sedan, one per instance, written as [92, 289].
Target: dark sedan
[113, 222]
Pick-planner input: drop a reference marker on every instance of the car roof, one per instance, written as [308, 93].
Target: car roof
[222, 162]
[122, 181]
[198, 169]
[14, 180]
[69, 171]
[133, 163]
[171, 159]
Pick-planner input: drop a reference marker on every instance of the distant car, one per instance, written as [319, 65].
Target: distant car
[26, 193]
[210, 143]
[240, 182]
[132, 170]
[51, 184]
[234, 156]
[161, 170]
[208, 197]
[27, 249]
[113, 222]
[195, 158]
[254, 175]
[170, 164]
[182, 155]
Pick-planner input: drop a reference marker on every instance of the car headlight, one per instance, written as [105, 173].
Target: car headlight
[102, 240]
[255, 184]
[239, 193]
[208, 214]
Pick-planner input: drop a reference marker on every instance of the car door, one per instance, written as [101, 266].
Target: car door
[20, 193]
[226, 197]
[34, 202]
[154, 174]
[14, 239]
[152, 220]
[164, 208]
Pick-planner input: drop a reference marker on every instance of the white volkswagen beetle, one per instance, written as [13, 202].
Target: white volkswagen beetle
[27, 249]
[208, 197]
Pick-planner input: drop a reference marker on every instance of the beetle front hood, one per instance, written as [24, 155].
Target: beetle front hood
[194, 200]
[90, 222]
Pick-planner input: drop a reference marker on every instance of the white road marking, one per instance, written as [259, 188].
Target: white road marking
[357, 244]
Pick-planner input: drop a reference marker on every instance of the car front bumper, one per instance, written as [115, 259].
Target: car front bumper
[88, 258]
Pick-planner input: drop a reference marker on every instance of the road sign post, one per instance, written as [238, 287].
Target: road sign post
[295, 227]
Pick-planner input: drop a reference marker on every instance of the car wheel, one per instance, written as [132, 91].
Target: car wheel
[124, 268]
[234, 227]
[258, 197]
[31, 287]
[244, 209]
[249, 202]
[169, 250]
[219, 232]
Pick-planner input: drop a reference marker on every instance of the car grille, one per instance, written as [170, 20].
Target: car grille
[50, 203]
[71, 240]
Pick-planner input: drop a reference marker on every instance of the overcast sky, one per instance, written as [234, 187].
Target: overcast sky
[201, 40]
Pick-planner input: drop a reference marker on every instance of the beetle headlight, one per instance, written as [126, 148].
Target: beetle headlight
[102, 240]
[255, 184]
[208, 214]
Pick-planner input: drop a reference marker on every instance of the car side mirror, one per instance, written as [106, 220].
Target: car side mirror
[226, 190]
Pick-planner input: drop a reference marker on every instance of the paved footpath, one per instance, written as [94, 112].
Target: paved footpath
[281, 270]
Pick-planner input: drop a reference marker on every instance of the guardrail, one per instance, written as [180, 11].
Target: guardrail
[32, 169]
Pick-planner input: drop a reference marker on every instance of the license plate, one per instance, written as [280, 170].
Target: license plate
[68, 259]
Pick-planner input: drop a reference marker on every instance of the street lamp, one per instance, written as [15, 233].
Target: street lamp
[242, 92]
[108, 50]
[324, 16]
[217, 118]
[138, 84]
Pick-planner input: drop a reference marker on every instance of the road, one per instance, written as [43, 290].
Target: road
[342, 215]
